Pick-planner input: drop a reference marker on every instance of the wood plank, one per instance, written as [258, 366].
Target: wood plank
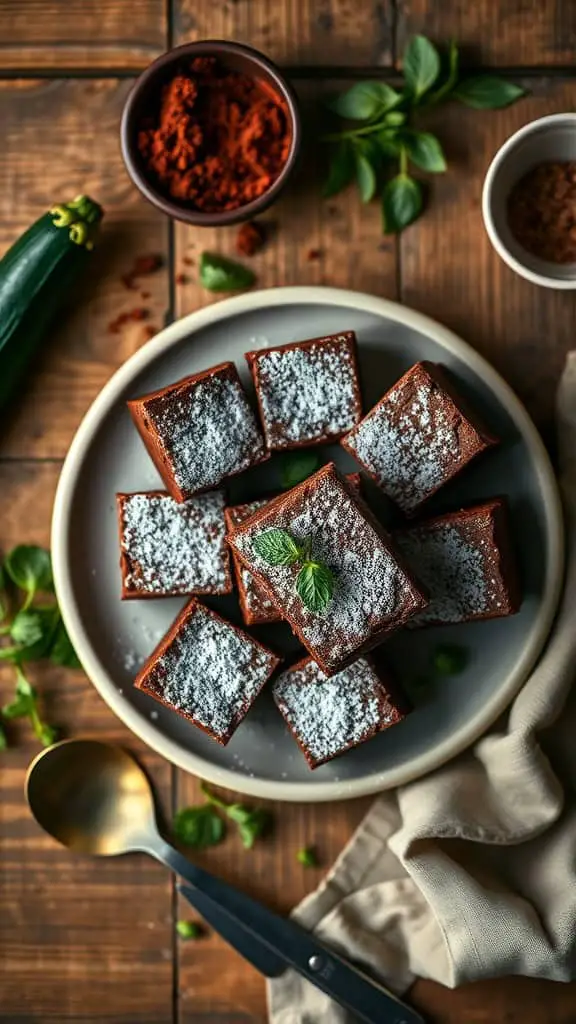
[450, 270]
[311, 240]
[82, 939]
[60, 138]
[513, 33]
[42, 34]
[500, 1001]
[331, 32]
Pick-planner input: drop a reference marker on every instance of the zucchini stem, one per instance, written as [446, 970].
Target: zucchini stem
[82, 215]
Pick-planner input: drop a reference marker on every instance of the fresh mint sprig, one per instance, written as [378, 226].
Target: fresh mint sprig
[202, 825]
[252, 822]
[377, 153]
[315, 581]
[33, 631]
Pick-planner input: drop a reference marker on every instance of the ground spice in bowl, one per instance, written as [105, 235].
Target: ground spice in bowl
[542, 211]
[219, 139]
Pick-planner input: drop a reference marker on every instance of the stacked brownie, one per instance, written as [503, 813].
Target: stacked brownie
[315, 555]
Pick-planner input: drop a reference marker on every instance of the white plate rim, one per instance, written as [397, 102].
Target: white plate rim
[308, 792]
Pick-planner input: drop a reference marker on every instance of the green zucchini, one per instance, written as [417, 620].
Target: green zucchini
[37, 276]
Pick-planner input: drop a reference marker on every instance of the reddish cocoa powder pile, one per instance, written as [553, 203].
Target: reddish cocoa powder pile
[219, 140]
[542, 211]
[250, 238]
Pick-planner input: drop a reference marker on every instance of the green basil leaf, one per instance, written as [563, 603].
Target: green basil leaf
[451, 78]
[425, 151]
[276, 547]
[219, 274]
[402, 202]
[341, 170]
[30, 568]
[3, 739]
[62, 652]
[199, 826]
[388, 144]
[364, 100]
[395, 118]
[365, 178]
[421, 65]
[486, 92]
[252, 823]
[24, 687]
[298, 466]
[27, 628]
[20, 707]
[315, 586]
[47, 734]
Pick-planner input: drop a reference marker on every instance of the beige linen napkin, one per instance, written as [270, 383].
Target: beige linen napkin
[469, 872]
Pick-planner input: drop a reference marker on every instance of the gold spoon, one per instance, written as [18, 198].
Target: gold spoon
[94, 798]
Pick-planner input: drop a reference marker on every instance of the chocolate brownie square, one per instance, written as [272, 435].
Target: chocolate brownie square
[418, 437]
[308, 391]
[374, 593]
[207, 670]
[466, 562]
[199, 430]
[328, 716]
[256, 606]
[169, 548]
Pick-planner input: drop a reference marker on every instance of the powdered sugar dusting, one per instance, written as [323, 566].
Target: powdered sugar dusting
[207, 430]
[458, 565]
[211, 672]
[372, 592]
[309, 392]
[410, 441]
[175, 547]
[329, 715]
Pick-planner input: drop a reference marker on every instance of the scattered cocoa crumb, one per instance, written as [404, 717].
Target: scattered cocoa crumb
[313, 254]
[142, 266]
[145, 295]
[250, 238]
[150, 331]
[129, 316]
[542, 211]
[188, 261]
[181, 279]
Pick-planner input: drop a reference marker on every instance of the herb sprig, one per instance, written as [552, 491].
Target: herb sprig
[202, 825]
[33, 631]
[315, 581]
[378, 152]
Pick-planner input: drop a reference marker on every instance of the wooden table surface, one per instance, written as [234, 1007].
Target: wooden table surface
[95, 941]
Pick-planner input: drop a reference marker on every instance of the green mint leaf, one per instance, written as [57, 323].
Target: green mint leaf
[341, 170]
[307, 857]
[20, 707]
[315, 586]
[402, 202]
[46, 734]
[425, 151]
[395, 118]
[276, 547]
[30, 568]
[298, 466]
[252, 823]
[24, 687]
[486, 92]
[365, 178]
[449, 660]
[219, 274]
[27, 628]
[61, 652]
[188, 930]
[421, 65]
[3, 738]
[365, 100]
[388, 144]
[199, 826]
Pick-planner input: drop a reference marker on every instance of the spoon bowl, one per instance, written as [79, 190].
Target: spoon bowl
[92, 797]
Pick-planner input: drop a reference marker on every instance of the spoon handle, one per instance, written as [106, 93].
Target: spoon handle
[297, 948]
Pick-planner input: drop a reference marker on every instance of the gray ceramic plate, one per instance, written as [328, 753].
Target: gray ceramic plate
[113, 638]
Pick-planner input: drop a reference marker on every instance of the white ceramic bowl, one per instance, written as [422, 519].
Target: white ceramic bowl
[549, 138]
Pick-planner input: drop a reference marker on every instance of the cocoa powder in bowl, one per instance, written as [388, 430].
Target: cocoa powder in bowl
[542, 211]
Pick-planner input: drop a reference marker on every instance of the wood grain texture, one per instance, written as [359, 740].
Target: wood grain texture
[511, 33]
[310, 240]
[450, 270]
[60, 138]
[309, 32]
[81, 939]
[45, 34]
